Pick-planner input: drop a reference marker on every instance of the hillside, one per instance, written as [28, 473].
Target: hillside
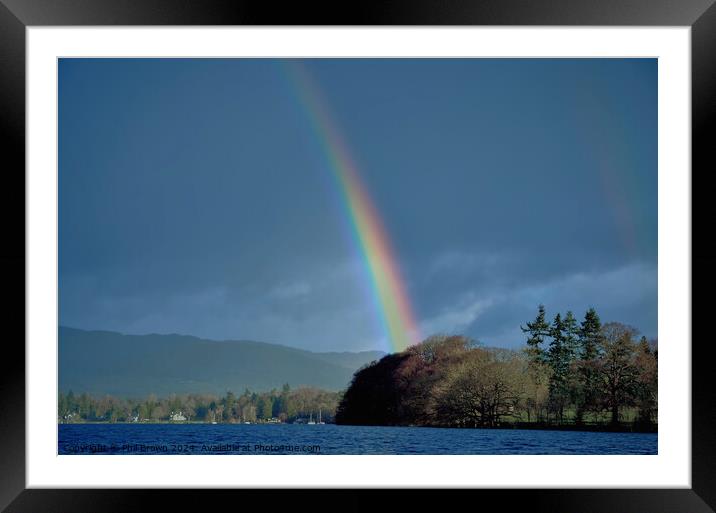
[104, 362]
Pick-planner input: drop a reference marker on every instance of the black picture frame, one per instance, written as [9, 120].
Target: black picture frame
[16, 15]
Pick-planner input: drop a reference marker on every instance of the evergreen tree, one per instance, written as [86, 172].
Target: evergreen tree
[590, 335]
[589, 342]
[555, 354]
[537, 330]
[228, 402]
[571, 335]
[644, 345]
[571, 352]
[559, 360]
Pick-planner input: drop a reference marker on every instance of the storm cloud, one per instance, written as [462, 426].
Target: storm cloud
[194, 197]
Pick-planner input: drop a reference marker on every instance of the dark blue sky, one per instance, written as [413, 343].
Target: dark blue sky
[194, 197]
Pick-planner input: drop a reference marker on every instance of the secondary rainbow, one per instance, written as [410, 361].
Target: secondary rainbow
[392, 302]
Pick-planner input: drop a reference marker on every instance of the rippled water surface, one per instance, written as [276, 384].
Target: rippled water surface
[332, 439]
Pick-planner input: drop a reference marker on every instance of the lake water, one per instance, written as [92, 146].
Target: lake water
[332, 439]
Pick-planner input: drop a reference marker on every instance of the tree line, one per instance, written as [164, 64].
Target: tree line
[568, 373]
[286, 405]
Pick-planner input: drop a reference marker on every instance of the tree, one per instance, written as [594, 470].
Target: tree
[585, 389]
[72, 406]
[647, 386]
[440, 348]
[537, 330]
[265, 407]
[84, 407]
[62, 407]
[372, 397]
[559, 359]
[249, 413]
[425, 366]
[228, 402]
[536, 390]
[617, 368]
[280, 404]
[481, 390]
[590, 335]
[571, 335]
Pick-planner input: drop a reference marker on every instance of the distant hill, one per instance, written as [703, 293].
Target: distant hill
[105, 362]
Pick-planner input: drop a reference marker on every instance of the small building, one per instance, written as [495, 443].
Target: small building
[177, 416]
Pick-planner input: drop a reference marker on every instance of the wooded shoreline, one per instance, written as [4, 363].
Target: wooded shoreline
[569, 377]
[624, 427]
[589, 376]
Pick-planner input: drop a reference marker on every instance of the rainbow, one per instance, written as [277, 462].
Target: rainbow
[392, 303]
[621, 192]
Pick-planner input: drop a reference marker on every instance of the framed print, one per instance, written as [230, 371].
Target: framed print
[423, 247]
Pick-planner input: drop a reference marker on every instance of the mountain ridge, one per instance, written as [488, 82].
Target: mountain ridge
[107, 362]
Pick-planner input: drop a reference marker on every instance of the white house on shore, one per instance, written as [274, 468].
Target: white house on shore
[177, 416]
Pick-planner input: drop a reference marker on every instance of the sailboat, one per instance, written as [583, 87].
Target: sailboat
[319, 417]
[310, 420]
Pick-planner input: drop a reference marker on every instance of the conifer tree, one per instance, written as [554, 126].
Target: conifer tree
[559, 360]
[644, 345]
[590, 335]
[589, 342]
[556, 352]
[571, 350]
[571, 335]
[537, 330]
